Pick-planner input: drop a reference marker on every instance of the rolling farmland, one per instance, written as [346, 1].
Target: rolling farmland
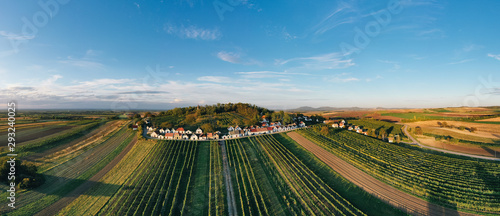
[457, 183]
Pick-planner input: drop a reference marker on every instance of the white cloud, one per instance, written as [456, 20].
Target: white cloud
[193, 32]
[497, 57]
[216, 79]
[229, 57]
[319, 62]
[12, 36]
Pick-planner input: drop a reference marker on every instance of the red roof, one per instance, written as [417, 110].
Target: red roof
[263, 125]
[270, 128]
[134, 126]
[169, 134]
[180, 129]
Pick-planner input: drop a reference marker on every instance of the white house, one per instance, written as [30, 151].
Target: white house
[230, 128]
[188, 132]
[302, 124]
[194, 137]
[199, 131]
[185, 136]
[335, 125]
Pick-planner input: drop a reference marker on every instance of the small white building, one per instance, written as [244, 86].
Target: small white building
[199, 131]
[194, 137]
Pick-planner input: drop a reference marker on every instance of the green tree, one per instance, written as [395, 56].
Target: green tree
[207, 128]
[325, 131]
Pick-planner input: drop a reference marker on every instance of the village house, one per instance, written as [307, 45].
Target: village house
[194, 137]
[236, 134]
[177, 136]
[302, 124]
[185, 136]
[134, 127]
[202, 137]
[169, 136]
[199, 131]
[212, 136]
[180, 130]
[155, 134]
[230, 128]
[335, 125]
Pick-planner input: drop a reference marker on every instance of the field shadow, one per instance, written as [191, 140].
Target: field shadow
[74, 187]
[493, 153]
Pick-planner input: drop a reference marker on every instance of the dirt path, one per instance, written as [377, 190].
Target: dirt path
[377, 188]
[442, 150]
[231, 203]
[63, 202]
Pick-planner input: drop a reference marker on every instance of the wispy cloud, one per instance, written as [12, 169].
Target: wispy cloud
[460, 62]
[81, 63]
[267, 74]
[12, 36]
[143, 92]
[341, 78]
[193, 32]
[229, 57]
[326, 61]
[395, 65]
[236, 58]
[497, 57]
[216, 79]
[431, 33]
[341, 14]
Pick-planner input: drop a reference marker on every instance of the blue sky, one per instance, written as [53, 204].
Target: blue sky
[278, 54]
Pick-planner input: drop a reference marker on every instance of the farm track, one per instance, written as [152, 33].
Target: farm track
[231, 203]
[64, 173]
[375, 187]
[59, 205]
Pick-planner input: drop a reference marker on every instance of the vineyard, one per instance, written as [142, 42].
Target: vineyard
[216, 189]
[390, 128]
[454, 182]
[303, 191]
[226, 119]
[249, 196]
[160, 184]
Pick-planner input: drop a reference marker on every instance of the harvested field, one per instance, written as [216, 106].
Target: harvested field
[497, 119]
[463, 148]
[489, 131]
